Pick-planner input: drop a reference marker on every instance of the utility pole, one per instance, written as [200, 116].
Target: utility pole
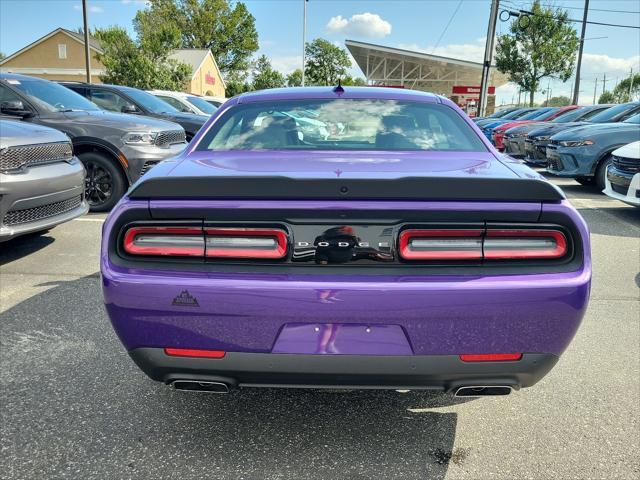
[604, 83]
[304, 38]
[488, 54]
[630, 83]
[87, 56]
[548, 91]
[595, 87]
[576, 88]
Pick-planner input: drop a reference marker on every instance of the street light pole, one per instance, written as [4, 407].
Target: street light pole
[488, 54]
[87, 56]
[304, 37]
[576, 88]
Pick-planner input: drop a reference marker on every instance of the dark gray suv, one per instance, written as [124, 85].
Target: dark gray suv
[116, 148]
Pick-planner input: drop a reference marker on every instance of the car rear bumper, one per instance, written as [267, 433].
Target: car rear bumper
[623, 186]
[40, 198]
[432, 372]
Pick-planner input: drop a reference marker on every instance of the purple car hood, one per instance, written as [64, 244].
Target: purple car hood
[351, 165]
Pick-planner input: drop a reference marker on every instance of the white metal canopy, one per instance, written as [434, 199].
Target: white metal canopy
[420, 71]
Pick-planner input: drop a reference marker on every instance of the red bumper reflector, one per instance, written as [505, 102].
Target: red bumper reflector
[190, 352]
[491, 357]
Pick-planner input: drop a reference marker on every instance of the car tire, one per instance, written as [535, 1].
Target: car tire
[104, 184]
[601, 172]
[585, 180]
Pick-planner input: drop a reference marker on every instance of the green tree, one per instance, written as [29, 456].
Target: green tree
[560, 101]
[127, 63]
[294, 79]
[621, 92]
[222, 26]
[237, 83]
[348, 80]
[607, 97]
[545, 46]
[325, 63]
[264, 76]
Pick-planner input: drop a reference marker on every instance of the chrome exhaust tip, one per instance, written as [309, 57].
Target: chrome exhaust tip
[199, 386]
[483, 391]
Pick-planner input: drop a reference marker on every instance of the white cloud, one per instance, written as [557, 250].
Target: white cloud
[136, 2]
[286, 64]
[594, 64]
[92, 8]
[368, 25]
[473, 52]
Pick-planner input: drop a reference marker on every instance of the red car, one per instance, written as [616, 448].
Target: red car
[546, 114]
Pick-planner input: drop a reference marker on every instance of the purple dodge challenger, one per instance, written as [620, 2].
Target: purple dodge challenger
[345, 238]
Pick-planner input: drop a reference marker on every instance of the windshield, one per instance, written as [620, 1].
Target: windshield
[52, 96]
[634, 119]
[358, 124]
[569, 116]
[610, 113]
[516, 114]
[149, 102]
[202, 104]
[538, 114]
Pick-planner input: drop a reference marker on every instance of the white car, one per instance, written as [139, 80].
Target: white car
[623, 175]
[186, 102]
[215, 101]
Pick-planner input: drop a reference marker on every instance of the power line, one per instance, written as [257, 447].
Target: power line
[530, 13]
[578, 8]
[447, 26]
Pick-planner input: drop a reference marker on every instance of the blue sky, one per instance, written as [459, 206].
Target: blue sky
[413, 24]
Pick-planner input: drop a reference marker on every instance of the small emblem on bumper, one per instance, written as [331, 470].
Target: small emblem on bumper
[185, 299]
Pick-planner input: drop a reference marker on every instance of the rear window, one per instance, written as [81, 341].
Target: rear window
[347, 124]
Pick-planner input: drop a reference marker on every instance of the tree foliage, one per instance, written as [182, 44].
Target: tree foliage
[294, 79]
[237, 83]
[224, 27]
[325, 63]
[348, 80]
[264, 76]
[621, 93]
[560, 101]
[545, 46]
[127, 63]
[607, 97]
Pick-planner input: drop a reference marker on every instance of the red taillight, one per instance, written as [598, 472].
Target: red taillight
[257, 243]
[524, 244]
[191, 352]
[476, 244]
[267, 243]
[178, 241]
[491, 357]
[441, 244]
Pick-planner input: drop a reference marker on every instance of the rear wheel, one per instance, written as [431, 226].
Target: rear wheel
[104, 183]
[585, 180]
[601, 172]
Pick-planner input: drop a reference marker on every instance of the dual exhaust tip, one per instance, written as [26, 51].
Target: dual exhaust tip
[202, 386]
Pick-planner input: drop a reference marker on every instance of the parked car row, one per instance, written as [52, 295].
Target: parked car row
[50, 131]
[575, 142]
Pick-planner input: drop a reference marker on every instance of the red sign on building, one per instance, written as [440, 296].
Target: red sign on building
[470, 90]
[210, 79]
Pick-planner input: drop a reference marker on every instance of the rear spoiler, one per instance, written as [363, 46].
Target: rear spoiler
[407, 188]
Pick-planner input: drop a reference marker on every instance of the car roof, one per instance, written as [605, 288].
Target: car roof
[373, 93]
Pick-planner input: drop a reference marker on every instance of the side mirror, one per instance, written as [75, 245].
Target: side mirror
[15, 108]
[129, 108]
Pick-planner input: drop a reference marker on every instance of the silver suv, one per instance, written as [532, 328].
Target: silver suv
[41, 181]
[116, 148]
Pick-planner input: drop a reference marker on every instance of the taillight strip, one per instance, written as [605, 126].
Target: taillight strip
[441, 244]
[260, 243]
[174, 241]
[491, 357]
[524, 244]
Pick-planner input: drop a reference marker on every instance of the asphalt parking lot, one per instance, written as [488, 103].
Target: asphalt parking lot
[73, 405]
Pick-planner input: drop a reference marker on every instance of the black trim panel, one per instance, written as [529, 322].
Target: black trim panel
[408, 188]
[437, 372]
